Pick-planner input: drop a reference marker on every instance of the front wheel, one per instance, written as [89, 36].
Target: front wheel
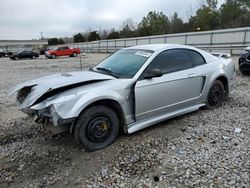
[216, 95]
[96, 128]
[53, 56]
[74, 54]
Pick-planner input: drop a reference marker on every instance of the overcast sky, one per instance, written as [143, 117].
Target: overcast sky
[26, 19]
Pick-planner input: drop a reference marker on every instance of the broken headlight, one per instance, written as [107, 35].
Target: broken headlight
[23, 93]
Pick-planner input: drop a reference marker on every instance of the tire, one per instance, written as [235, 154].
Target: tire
[53, 56]
[244, 72]
[32, 57]
[74, 54]
[216, 95]
[96, 128]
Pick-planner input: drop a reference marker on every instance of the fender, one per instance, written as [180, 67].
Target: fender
[89, 98]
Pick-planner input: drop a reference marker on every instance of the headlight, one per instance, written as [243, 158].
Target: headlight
[23, 93]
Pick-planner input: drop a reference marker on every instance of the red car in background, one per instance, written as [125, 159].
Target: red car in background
[63, 51]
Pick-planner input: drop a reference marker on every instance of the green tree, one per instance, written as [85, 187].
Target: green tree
[79, 38]
[55, 41]
[235, 13]
[205, 19]
[127, 32]
[155, 23]
[212, 4]
[176, 24]
[113, 34]
[93, 36]
[61, 41]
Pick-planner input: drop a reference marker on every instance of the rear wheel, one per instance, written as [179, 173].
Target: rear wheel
[74, 54]
[96, 128]
[244, 72]
[216, 95]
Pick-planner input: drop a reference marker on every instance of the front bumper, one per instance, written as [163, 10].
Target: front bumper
[50, 119]
[47, 55]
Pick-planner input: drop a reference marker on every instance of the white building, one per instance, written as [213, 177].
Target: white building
[17, 45]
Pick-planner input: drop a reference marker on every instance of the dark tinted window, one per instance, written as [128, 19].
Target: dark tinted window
[197, 58]
[23, 53]
[171, 61]
[65, 48]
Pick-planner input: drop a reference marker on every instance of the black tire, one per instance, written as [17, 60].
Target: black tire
[216, 95]
[96, 128]
[53, 56]
[32, 57]
[244, 72]
[74, 54]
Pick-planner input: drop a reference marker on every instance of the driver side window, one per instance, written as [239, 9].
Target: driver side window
[23, 53]
[171, 61]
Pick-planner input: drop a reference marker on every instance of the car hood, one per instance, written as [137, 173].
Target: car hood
[53, 83]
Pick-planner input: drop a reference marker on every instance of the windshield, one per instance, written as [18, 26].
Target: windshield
[124, 63]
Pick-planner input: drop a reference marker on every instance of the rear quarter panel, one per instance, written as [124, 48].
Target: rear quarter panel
[214, 70]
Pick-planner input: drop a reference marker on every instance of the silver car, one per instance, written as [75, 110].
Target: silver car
[130, 90]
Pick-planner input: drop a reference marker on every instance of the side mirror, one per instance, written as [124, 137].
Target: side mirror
[153, 73]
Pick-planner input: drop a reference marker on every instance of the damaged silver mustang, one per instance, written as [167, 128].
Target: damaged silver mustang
[130, 90]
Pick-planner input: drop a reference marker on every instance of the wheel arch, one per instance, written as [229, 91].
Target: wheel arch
[224, 81]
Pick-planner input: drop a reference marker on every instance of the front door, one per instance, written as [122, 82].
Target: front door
[177, 88]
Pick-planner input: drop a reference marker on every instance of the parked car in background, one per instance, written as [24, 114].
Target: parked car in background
[244, 61]
[24, 55]
[63, 51]
[130, 90]
[2, 54]
[43, 51]
[8, 54]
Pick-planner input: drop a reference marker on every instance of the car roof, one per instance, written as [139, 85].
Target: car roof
[161, 47]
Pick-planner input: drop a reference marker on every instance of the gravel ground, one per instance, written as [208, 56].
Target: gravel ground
[201, 149]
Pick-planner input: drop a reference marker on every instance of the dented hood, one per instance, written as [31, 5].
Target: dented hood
[42, 85]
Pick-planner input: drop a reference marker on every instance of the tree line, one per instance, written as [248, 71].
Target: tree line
[231, 14]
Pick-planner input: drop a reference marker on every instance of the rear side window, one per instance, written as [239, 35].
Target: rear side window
[197, 58]
[171, 61]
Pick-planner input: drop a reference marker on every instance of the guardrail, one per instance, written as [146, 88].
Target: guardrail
[225, 40]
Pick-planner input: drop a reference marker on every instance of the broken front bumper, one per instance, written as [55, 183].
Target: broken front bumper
[50, 119]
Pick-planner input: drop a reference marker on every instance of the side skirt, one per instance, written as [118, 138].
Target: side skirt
[148, 122]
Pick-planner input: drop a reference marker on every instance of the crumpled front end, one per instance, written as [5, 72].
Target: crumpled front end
[47, 112]
[48, 99]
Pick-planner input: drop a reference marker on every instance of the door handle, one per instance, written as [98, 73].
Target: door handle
[191, 75]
